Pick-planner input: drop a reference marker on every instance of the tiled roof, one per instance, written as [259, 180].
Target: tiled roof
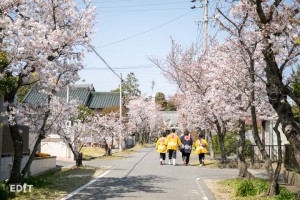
[80, 94]
[104, 99]
[34, 97]
[86, 95]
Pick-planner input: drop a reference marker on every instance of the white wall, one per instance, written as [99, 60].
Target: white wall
[58, 149]
[271, 138]
[38, 165]
[6, 164]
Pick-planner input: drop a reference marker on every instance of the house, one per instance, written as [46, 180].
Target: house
[268, 137]
[170, 118]
[84, 93]
[87, 96]
[39, 165]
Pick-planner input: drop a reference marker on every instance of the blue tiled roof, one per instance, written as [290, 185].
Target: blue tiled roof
[100, 100]
[85, 95]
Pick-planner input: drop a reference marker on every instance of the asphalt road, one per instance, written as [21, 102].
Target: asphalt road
[140, 176]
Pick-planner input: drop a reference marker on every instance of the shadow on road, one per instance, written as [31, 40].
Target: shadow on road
[106, 188]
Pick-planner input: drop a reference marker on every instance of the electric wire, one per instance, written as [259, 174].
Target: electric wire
[141, 10]
[99, 56]
[141, 33]
[141, 5]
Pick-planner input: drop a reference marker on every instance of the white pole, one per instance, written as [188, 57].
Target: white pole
[205, 25]
[120, 134]
[68, 93]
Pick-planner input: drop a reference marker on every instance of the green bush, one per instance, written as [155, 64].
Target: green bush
[216, 144]
[4, 192]
[284, 194]
[248, 149]
[260, 185]
[231, 144]
[245, 188]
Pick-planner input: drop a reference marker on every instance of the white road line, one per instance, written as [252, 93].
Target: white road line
[204, 197]
[84, 186]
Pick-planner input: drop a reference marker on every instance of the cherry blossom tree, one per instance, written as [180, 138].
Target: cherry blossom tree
[202, 106]
[144, 118]
[43, 42]
[106, 126]
[271, 29]
[240, 75]
[276, 25]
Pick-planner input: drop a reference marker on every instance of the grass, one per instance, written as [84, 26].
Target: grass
[56, 184]
[240, 189]
[230, 186]
[92, 152]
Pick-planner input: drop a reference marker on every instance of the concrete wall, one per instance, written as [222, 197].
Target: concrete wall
[38, 165]
[58, 149]
[42, 164]
[6, 165]
[292, 178]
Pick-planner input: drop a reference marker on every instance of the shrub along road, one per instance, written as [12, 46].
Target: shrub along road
[139, 176]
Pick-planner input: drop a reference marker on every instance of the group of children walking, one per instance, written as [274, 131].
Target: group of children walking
[170, 143]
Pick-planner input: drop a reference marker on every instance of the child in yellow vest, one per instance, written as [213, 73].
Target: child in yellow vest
[173, 142]
[201, 145]
[161, 148]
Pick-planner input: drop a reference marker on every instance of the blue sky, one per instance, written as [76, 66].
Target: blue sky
[129, 31]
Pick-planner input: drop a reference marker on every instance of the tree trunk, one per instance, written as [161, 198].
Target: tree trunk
[107, 149]
[274, 186]
[79, 159]
[15, 175]
[32, 155]
[243, 169]
[77, 155]
[278, 91]
[221, 139]
[211, 145]
[258, 142]
[261, 147]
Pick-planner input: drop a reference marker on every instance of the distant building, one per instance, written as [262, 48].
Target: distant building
[84, 93]
[170, 118]
[87, 96]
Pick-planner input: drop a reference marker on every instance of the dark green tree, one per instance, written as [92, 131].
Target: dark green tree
[160, 99]
[130, 86]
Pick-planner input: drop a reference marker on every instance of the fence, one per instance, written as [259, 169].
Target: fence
[272, 150]
[289, 158]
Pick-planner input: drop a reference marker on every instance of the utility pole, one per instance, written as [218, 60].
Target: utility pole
[205, 25]
[121, 80]
[120, 135]
[205, 18]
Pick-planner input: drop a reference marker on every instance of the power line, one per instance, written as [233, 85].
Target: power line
[141, 5]
[113, 1]
[149, 30]
[106, 63]
[123, 68]
[141, 10]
